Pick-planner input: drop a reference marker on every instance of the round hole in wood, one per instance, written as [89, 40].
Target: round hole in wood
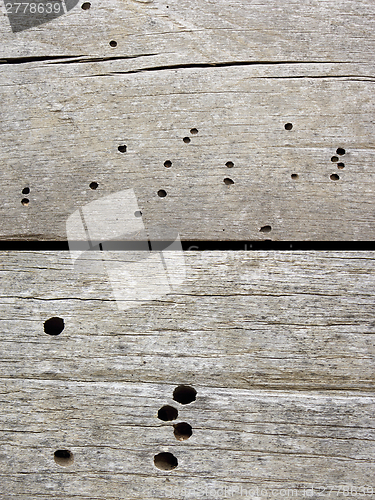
[294, 176]
[182, 431]
[26, 190]
[341, 165]
[186, 140]
[334, 177]
[229, 164]
[194, 131]
[162, 193]
[288, 126]
[86, 6]
[167, 413]
[63, 457]
[54, 326]
[138, 213]
[25, 201]
[122, 148]
[167, 164]
[165, 461]
[94, 185]
[265, 229]
[184, 394]
[228, 181]
[113, 43]
[340, 151]
[334, 159]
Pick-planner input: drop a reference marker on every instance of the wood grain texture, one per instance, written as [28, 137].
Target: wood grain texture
[278, 345]
[235, 71]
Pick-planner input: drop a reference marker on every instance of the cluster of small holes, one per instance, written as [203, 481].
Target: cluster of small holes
[334, 159]
[193, 131]
[86, 6]
[229, 164]
[340, 164]
[183, 394]
[25, 201]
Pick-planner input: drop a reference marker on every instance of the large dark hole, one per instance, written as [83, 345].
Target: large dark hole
[54, 326]
[165, 461]
[228, 181]
[184, 394]
[167, 413]
[63, 457]
[182, 431]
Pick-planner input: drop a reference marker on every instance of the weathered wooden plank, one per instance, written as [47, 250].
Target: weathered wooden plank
[302, 321]
[59, 138]
[277, 345]
[266, 30]
[241, 439]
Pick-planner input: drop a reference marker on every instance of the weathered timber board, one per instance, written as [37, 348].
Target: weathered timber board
[249, 439]
[60, 137]
[273, 320]
[306, 63]
[279, 346]
[188, 32]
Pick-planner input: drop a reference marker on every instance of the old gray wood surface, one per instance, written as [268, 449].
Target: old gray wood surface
[237, 71]
[278, 345]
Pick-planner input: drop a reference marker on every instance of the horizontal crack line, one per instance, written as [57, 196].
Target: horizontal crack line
[68, 59]
[225, 64]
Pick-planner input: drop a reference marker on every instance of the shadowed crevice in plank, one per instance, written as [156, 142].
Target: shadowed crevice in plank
[44, 244]
[22, 60]
[225, 64]
[102, 59]
[70, 59]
